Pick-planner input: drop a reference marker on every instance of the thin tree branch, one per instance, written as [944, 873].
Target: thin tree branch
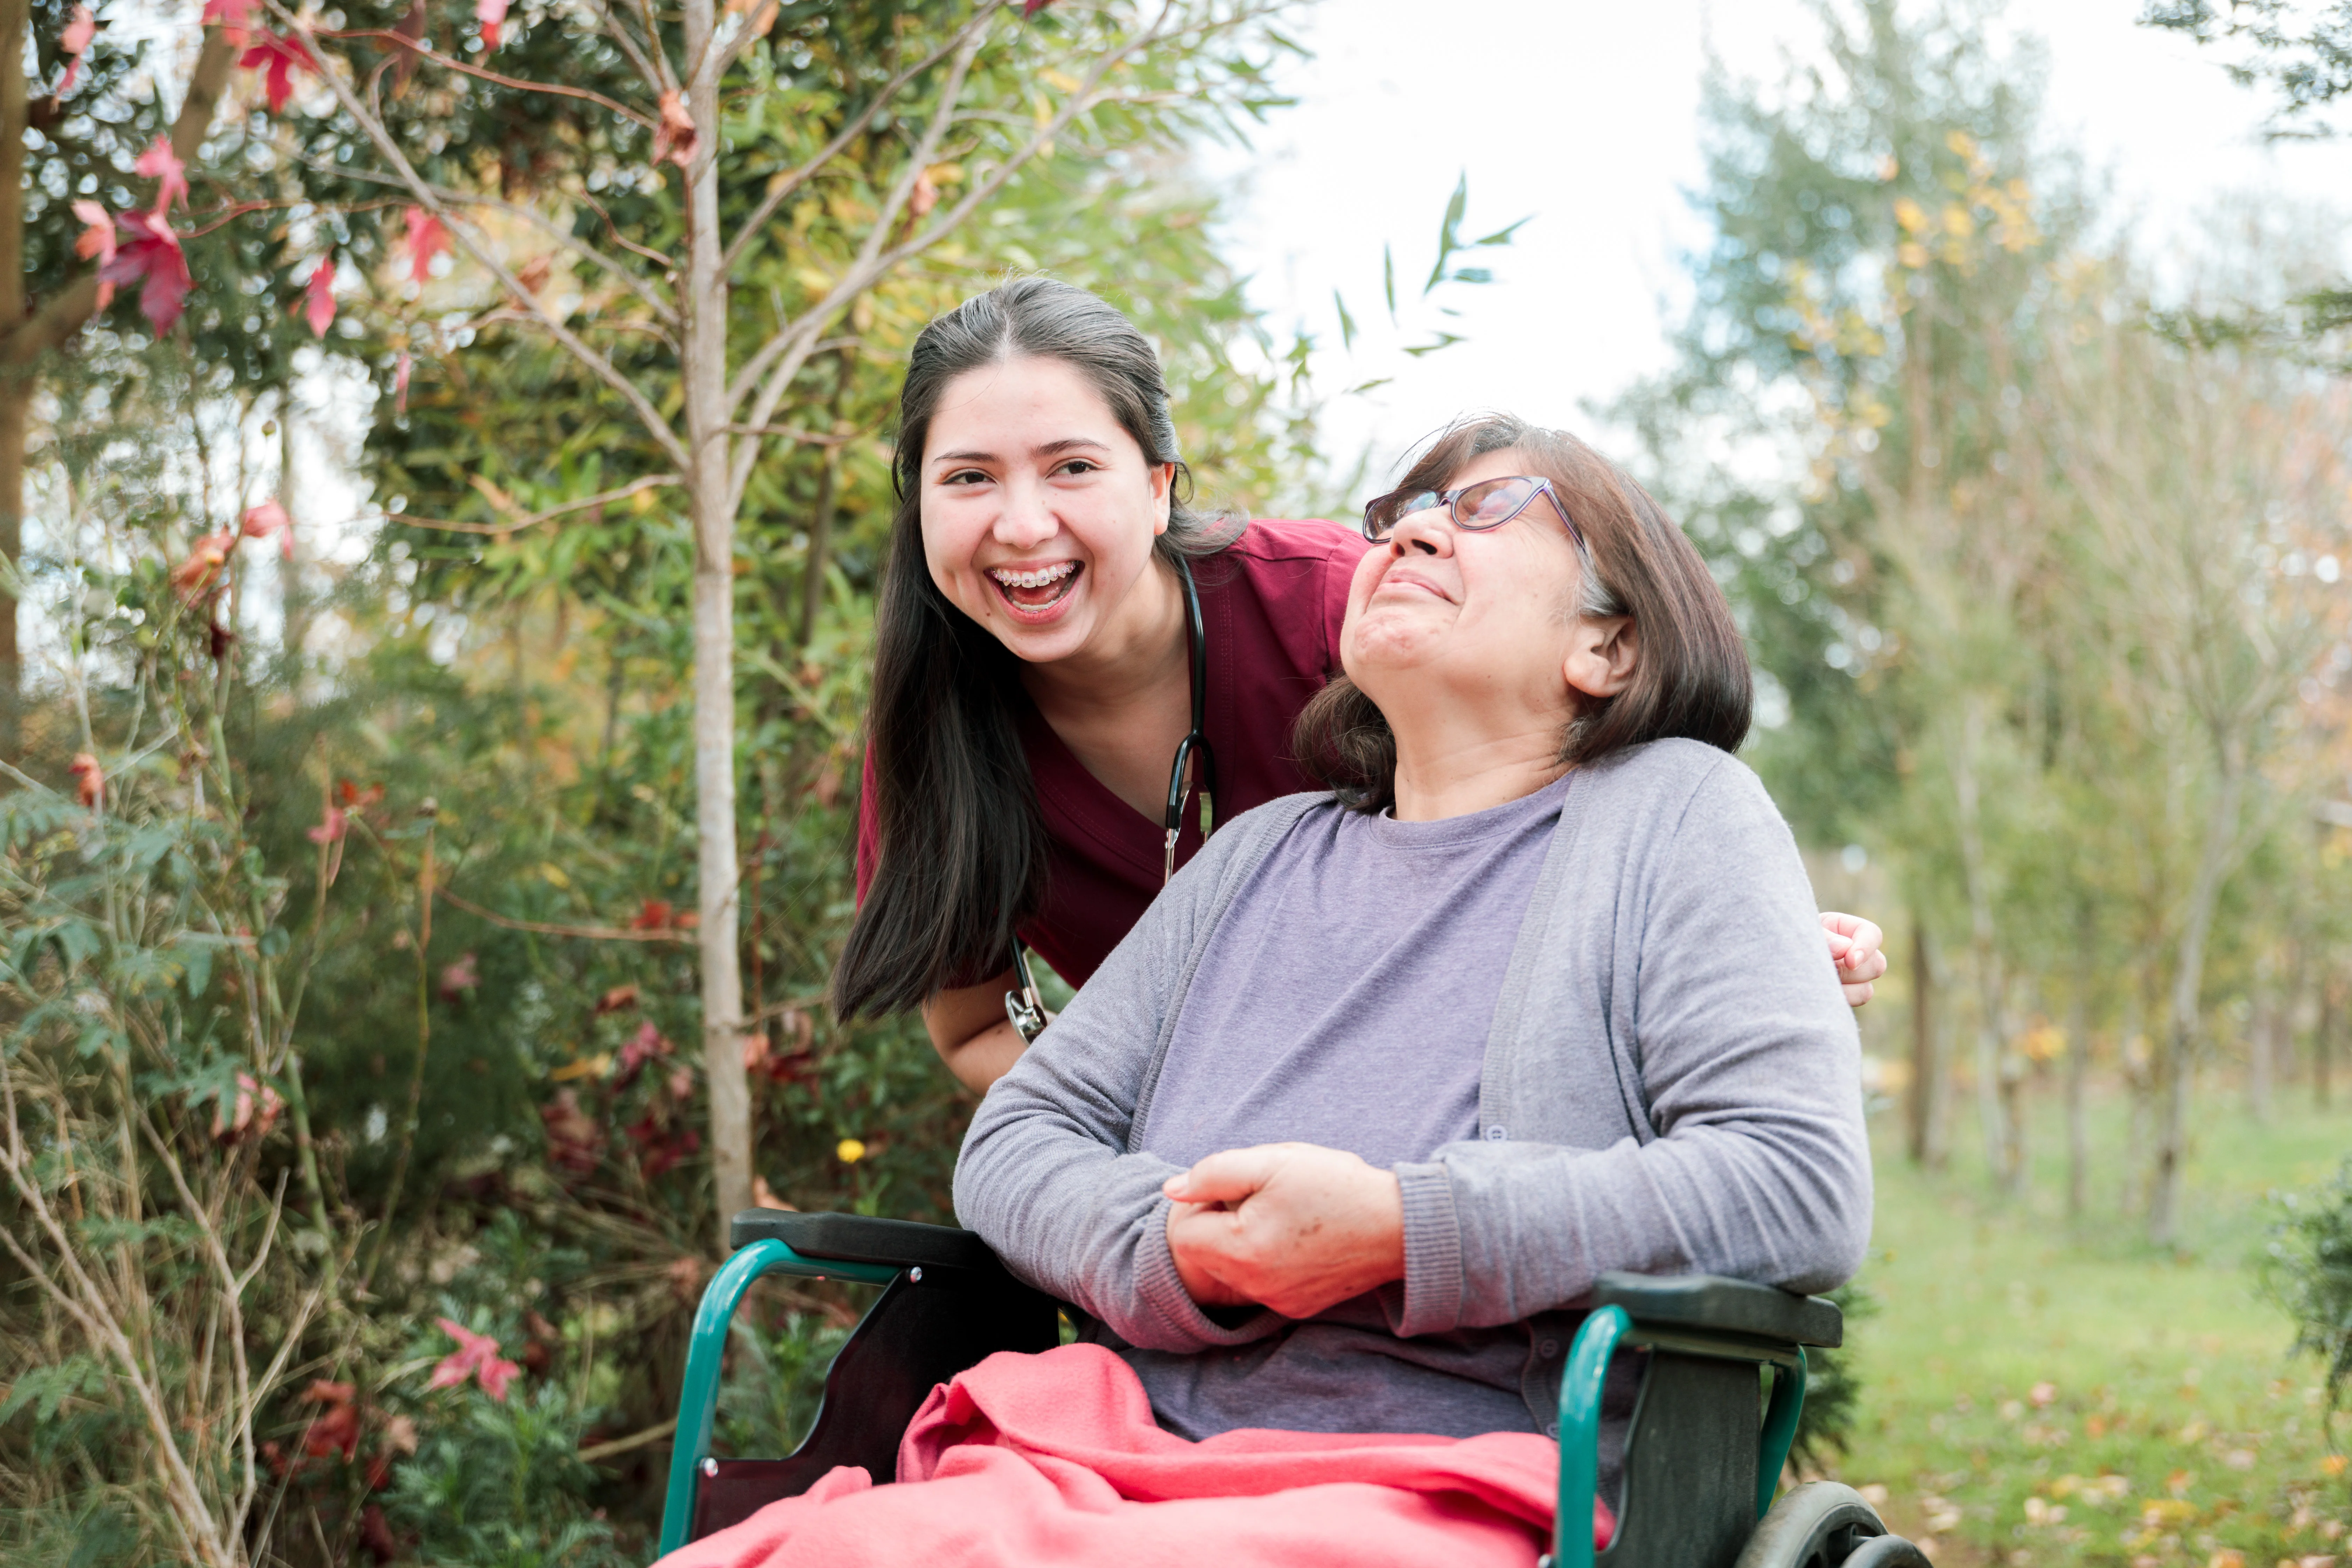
[500, 530]
[538, 220]
[782, 189]
[544, 928]
[401, 40]
[601, 367]
[790, 350]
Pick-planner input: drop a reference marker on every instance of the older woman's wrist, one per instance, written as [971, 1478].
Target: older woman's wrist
[1432, 1251]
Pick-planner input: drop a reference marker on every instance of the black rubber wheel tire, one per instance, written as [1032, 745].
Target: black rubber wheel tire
[1887, 1552]
[1822, 1524]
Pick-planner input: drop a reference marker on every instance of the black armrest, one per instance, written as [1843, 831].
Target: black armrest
[860, 1238]
[1732, 1306]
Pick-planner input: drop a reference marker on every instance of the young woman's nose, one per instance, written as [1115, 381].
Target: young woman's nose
[1025, 518]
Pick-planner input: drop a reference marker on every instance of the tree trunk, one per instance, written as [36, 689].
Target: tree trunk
[2184, 1031]
[28, 334]
[820, 538]
[1929, 1078]
[704, 379]
[2139, 1068]
[16, 381]
[1991, 1034]
[2264, 1021]
[2322, 1038]
[2078, 1070]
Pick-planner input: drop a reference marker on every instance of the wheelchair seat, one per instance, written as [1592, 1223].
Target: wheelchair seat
[1700, 1466]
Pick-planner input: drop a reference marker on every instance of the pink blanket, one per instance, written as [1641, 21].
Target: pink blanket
[1027, 1462]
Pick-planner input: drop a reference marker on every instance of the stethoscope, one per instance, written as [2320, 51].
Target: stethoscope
[1025, 1008]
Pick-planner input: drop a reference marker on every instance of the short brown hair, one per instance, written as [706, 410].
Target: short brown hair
[1691, 678]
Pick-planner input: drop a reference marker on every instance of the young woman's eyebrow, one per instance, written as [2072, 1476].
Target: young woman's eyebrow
[1050, 449]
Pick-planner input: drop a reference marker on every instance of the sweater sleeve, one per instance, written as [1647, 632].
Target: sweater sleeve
[1044, 1176]
[1748, 1065]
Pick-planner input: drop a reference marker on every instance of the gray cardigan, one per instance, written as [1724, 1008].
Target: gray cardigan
[1672, 1080]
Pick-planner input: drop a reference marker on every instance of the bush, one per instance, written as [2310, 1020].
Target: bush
[2306, 1269]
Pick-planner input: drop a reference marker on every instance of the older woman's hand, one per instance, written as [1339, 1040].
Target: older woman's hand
[1294, 1226]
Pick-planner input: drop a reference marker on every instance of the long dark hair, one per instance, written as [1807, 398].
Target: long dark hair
[962, 846]
[1691, 678]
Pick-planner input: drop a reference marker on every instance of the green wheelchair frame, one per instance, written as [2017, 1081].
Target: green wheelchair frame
[1701, 1465]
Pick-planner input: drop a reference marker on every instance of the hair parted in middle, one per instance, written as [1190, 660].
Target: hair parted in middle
[1690, 677]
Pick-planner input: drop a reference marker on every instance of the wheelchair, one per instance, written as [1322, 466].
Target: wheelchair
[1703, 1455]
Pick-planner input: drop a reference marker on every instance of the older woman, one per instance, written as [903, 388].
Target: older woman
[1332, 1144]
[1368, 1097]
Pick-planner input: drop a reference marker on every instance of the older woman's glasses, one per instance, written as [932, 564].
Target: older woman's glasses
[1474, 508]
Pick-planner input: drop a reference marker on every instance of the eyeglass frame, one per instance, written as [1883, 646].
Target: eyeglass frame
[1451, 502]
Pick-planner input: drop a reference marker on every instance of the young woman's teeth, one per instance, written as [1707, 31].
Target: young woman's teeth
[1043, 577]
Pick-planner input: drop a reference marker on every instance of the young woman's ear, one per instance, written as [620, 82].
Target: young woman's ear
[1601, 653]
[1163, 493]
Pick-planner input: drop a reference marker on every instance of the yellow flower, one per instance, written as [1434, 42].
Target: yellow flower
[850, 1151]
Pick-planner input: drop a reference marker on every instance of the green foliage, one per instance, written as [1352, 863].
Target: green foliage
[775, 1381]
[1832, 1387]
[2307, 1269]
[500, 1484]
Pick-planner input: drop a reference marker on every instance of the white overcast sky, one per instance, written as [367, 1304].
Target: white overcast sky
[1585, 115]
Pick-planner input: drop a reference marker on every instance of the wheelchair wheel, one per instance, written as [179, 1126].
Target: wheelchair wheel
[1822, 1524]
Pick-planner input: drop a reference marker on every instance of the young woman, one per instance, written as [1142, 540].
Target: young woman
[1334, 1145]
[1076, 673]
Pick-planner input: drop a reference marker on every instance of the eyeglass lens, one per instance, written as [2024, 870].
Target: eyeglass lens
[1486, 505]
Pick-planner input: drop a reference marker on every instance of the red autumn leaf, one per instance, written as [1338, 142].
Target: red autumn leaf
[647, 1043]
[160, 164]
[251, 1114]
[492, 15]
[97, 241]
[459, 978]
[617, 998]
[476, 1356]
[269, 518]
[317, 304]
[574, 1139]
[675, 136]
[73, 43]
[375, 1535]
[89, 782]
[661, 1148]
[356, 798]
[228, 15]
[1031, 7]
[151, 252]
[194, 576]
[278, 59]
[654, 915]
[336, 1428]
[426, 240]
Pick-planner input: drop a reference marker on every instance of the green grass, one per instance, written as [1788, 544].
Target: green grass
[2038, 1391]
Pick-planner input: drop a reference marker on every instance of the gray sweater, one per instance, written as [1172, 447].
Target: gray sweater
[1670, 1085]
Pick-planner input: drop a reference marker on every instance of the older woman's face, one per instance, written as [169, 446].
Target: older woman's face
[1486, 620]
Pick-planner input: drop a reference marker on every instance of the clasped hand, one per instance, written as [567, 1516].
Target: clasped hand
[1294, 1226]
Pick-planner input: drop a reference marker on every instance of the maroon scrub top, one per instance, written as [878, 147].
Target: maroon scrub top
[1271, 604]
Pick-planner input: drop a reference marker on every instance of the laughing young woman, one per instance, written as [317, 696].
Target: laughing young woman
[1076, 677]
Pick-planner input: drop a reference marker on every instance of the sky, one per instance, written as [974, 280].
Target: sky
[1584, 117]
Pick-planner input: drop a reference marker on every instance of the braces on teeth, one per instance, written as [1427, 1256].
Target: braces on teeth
[1036, 579]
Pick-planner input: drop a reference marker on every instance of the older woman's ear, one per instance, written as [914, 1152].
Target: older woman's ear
[1601, 653]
